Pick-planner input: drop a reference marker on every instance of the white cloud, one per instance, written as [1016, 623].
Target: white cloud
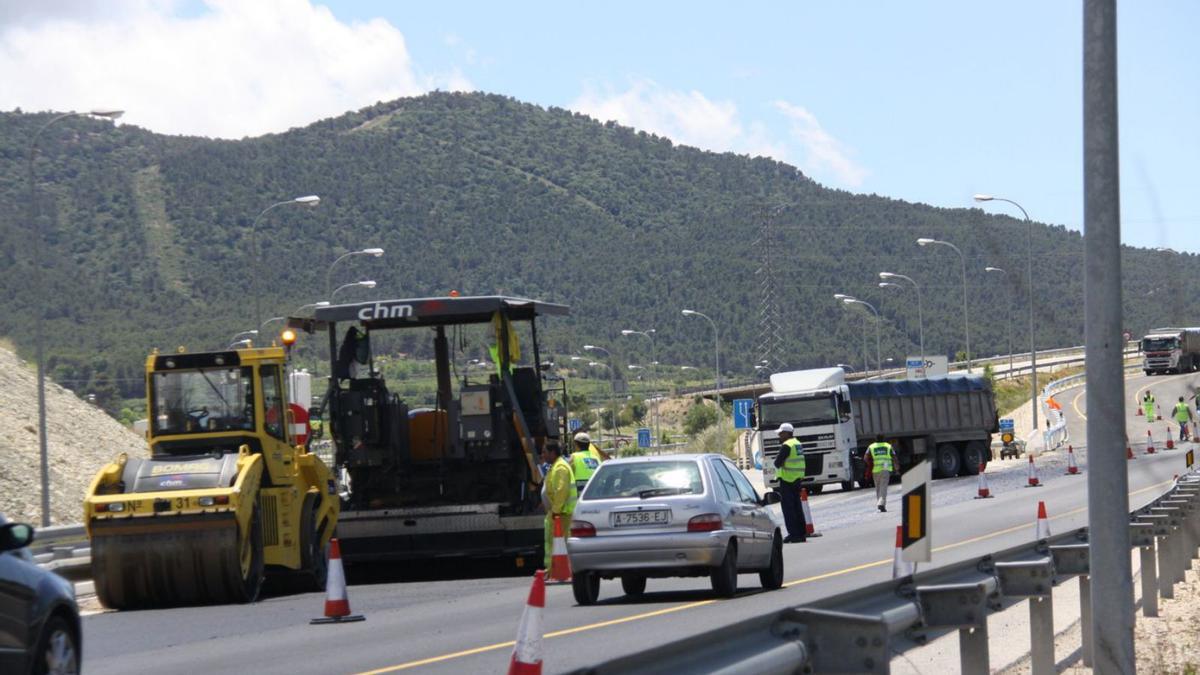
[236, 68]
[822, 152]
[691, 118]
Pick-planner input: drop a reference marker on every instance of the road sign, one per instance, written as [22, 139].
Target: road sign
[574, 423]
[915, 523]
[643, 438]
[931, 366]
[741, 412]
[1007, 424]
[1191, 458]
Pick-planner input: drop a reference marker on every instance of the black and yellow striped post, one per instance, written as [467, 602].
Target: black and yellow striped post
[915, 513]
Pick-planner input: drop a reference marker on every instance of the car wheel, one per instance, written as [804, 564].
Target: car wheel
[724, 576]
[815, 489]
[586, 587]
[772, 576]
[948, 460]
[57, 652]
[633, 584]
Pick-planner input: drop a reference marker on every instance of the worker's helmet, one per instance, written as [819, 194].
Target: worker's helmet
[784, 427]
[582, 437]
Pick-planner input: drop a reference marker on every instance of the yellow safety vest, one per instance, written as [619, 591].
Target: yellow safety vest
[560, 488]
[1181, 412]
[881, 457]
[795, 464]
[585, 462]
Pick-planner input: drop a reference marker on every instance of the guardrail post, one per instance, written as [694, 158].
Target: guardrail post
[961, 606]
[1171, 569]
[1141, 536]
[1183, 536]
[1162, 531]
[840, 642]
[1073, 560]
[1033, 579]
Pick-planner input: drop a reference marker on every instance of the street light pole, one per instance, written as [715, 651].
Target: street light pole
[848, 300]
[966, 316]
[376, 252]
[612, 389]
[648, 334]
[256, 271]
[717, 339]
[920, 318]
[40, 300]
[1032, 343]
[364, 284]
[1012, 303]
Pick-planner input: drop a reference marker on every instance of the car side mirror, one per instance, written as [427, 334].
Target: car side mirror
[770, 498]
[14, 536]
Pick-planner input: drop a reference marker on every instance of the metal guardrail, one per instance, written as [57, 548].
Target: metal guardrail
[860, 631]
[64, 549]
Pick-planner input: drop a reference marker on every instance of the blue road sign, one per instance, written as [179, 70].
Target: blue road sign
[574, 423]
[741, 412]
[643, 438]
[1007, 425]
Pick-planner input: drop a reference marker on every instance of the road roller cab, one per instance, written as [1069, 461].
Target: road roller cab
[226, 495]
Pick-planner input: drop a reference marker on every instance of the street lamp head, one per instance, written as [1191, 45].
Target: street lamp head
[886, 275]
[626, 331]
[925, 241]
[576, 358]
[634, 366]
[370, 283]
[372, 251]
[687, 367]
[688, 312]
[110, 113]
[311, 200]
[589, 347]
[994, 269]
[984, 198]
[840, 296]
[321, 303]
[851, 301]
[594, 363]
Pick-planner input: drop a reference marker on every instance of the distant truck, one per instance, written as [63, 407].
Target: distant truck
[950, 419]
[1171, 350]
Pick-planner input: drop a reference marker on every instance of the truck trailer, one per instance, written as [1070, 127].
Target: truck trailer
[948, 420]
[1171, 350]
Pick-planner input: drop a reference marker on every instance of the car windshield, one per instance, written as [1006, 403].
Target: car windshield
[1158, 344]
[798, 412]
[644, 480]
[198, 401]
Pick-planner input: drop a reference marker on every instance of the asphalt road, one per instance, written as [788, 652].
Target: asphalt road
[447, 625]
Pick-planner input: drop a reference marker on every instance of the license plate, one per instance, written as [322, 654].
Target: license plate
[635, 518]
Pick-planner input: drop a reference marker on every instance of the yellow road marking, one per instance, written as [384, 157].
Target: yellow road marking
[702, 603]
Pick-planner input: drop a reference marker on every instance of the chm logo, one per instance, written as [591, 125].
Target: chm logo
[382, 310]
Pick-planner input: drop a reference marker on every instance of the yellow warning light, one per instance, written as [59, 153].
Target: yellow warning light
[1006, 437]
[288, 336]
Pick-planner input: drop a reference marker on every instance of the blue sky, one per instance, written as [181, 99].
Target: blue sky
[923, 101]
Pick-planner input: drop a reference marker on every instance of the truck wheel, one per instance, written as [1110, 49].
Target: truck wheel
[948, 460]
[815, 488]
[251, 559]
[974, 454]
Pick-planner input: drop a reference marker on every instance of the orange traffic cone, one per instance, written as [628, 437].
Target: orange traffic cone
[337, 603]
[1072, 467]
[1158, 409]
[810, 530]
[1170, 441]
[1129, 452]
[1043, 523]
[527, 652]
[1149, 443]
[560, 564]
[1033, 477]
[984, 492]
[901, 567]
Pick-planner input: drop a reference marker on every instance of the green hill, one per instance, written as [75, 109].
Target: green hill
[148, 239]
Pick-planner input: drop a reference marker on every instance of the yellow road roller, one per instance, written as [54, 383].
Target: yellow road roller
[228, 495]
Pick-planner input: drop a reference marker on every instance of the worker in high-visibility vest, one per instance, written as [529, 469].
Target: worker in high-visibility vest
[558, 495]
[881, 462]
[585, 459]
[1183, 415]
[790, 466]
[1148, 406]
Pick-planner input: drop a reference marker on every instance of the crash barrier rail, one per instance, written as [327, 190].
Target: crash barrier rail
[862, 630]
[1056, 433]
[64, 549]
